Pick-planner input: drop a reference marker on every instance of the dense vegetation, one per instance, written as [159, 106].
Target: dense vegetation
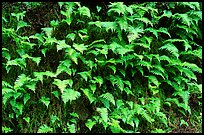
[107, 67]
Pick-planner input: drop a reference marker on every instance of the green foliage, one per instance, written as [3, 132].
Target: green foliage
[121, 68]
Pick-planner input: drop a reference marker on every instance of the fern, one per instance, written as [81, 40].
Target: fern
[45, 101]
[45, 129]
[70, 95]
[20, 81]
[108, 96]
[89, 95]
[80, 47]
[63, 84]
[64, 67]
[117, 7]
[84, 11]
[192, 66]
[171, 48]
[85, 75]
[90, 124]
[103, 113]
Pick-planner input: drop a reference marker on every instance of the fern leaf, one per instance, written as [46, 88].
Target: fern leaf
[90, 124]
[188, 73]
[154, 31]
[89, 95]
[84, 11]
[48, 31]
[103, 113]
[64, 67]
[85, 75]
[45, 129]
[63, 84]
[61, 45]
[122, 23]
[192, 66]
[108, 96]
[127, 83]
[109, 25]
[134, 33]
[6, 84]
[99, 80]
[153, 79]
[164, 57]
[117, 7]
[164, 30]
[70, 95]
[22, 79]
[45, 101]
[185, 18]
[145, 64]
[145, 20]
[171, 48]
[80, 47]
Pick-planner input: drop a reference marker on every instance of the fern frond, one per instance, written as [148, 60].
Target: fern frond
[192, 66]
[6, 84]
[84, 11]
[20, 81]
[153, 79]
[171, 48]
[184, 17]
[157, 72]
[188, 73]
[144, 20]
[89, 95]
[164, 30]
[192, 5]
[70, 95]
[63, 84]
[197, 53]
[103, 113]
[145, 64]
[117, 7]
[108, 96]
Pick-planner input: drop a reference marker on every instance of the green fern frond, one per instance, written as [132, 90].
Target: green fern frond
[122, 23]
[45, 129]
[153, 79]
[145, 64]
[109, 25]
[192, 66]
[64, 66]
[89, 95]
[157, 72]
[197, 53]
[184, 17]
[171, 48]
[61, 45]
[164, 30]
[84, 11]
[63, 84]
[192, 5]
[85, 75]
[117, 7]
[188, 73]
[103, 113]
[20, 81]
[108, 96]
[70, 95]
[80, 47]
[144, 20]
[185, 95]
[6, 84]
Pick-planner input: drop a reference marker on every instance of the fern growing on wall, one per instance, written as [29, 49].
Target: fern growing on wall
[120, 74]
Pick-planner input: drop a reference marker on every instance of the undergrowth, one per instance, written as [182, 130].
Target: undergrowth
[116, 67]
